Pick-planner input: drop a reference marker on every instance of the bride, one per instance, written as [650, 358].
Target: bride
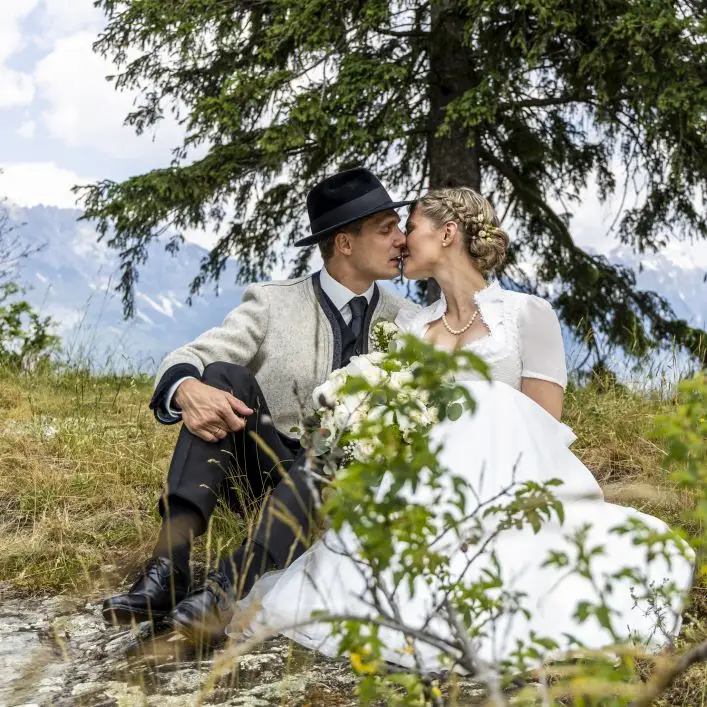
[514, 435]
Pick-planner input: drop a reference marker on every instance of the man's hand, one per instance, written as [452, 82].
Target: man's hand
[209, 413]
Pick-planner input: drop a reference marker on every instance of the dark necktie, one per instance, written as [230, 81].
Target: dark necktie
[358, 311]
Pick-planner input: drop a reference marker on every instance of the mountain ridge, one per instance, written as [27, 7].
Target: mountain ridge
[73, 280]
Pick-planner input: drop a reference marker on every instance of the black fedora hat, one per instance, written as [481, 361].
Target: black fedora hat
[343, 198]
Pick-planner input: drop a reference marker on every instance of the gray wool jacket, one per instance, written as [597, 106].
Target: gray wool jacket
[286, 333]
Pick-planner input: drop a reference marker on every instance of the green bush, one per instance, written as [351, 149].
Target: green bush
[25, 337]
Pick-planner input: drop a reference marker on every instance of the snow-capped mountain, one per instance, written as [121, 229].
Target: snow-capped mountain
[672, 274]
[73, 280]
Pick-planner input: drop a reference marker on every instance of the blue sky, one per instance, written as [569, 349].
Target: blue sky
[61, 122]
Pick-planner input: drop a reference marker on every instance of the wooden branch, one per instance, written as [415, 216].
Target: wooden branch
[471, 661]
[549, 101]
[664, 678]
[559, 226]
[468, 658]
[403, 34]
[446, 647]
[523, 189]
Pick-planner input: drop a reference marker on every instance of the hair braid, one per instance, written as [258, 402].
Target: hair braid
[486, 242]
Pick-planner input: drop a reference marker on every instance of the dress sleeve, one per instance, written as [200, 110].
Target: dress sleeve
[542, 349]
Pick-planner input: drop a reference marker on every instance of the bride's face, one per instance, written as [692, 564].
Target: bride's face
[423, 248]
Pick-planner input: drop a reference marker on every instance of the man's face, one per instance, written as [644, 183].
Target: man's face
[375, 252]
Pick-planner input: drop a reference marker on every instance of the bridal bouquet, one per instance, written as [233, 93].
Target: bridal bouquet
[357, 400]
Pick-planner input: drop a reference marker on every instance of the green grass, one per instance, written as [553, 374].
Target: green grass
[82, 463]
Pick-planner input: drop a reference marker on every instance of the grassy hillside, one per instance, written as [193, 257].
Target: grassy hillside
[82, 462]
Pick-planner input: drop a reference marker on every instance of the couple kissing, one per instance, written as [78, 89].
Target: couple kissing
[241, 384]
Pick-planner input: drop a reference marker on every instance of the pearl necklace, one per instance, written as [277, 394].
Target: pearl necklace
[457, 332]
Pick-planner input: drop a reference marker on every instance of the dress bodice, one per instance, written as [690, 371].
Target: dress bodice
[524, 338]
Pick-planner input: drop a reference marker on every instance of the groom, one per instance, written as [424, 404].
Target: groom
[245, 379]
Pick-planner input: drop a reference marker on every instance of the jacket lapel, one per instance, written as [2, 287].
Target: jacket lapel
[330, 313]
[370, 318]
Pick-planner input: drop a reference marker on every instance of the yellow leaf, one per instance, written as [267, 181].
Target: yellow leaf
[360, 667]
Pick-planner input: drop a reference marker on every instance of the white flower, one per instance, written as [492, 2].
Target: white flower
[399, 379]
[375, 357]
[324, 395]
[338, 377]
[363, 450]
[366, 367]
[387, 327]
[383, 335]
[339, 413]
[329, 390]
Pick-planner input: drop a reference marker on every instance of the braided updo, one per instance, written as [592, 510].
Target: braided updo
[484, 239]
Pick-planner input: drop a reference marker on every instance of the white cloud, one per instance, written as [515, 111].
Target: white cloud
[64, 318]
[59, 18]
[85, 111]
[16, 88]
[12, 15]
[32, 183]
[27, 129]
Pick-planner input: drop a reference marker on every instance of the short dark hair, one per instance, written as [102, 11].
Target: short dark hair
[327, 247]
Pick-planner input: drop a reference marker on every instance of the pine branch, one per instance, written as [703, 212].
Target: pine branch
[522, 189]
[692, 339]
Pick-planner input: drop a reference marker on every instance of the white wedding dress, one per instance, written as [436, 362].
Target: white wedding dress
[508, 438]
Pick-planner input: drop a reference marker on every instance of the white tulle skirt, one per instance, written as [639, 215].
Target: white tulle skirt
[508, 440]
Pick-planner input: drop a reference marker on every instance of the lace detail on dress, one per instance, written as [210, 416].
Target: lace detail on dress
[483, 320]
[500, 348]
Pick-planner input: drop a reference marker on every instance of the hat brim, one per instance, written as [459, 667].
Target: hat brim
[321, 235]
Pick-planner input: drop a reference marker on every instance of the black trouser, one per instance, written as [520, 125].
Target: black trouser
[239, 470]
[236, 468]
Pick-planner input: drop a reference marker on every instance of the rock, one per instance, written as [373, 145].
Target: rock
[248, 701]
[56, 651]
[183, 682]
[84, 689]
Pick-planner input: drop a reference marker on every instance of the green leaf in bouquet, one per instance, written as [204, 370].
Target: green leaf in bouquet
[319, 444]
[378, 398]
[454, 411]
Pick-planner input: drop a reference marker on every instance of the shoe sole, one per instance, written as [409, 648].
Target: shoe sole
[122, 615]
[198, 635]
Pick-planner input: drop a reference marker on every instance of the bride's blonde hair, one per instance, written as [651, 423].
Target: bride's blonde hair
[484, 239]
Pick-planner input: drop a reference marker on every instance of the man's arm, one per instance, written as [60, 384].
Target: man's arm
[171, 406]
[237, 340]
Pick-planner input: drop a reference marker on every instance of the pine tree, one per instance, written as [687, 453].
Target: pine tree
[526, 102]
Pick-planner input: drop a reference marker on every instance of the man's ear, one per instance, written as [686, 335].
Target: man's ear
[343, 242]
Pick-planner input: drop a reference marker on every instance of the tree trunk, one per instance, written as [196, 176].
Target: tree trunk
[453, 160]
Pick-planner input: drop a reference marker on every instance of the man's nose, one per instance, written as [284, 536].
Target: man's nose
[400, 238]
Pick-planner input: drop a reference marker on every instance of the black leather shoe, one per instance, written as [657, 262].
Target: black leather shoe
[202, 617]
[157, 591]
